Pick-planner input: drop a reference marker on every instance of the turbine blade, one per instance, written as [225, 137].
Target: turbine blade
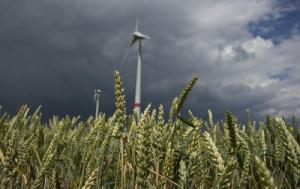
[93, 99]
[147, 37]
[95, 96]
[134, 39]
[137, 20]
[125, 56]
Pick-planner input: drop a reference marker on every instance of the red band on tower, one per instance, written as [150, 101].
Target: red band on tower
[137, 105]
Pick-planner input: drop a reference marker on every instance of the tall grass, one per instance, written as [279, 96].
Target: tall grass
[123, 151]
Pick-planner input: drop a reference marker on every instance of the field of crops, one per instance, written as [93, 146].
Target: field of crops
[159, 150]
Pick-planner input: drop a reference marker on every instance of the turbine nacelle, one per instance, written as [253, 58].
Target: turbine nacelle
[138, 36]
[97, 91]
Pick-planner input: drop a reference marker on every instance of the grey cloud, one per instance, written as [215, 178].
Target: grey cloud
[55, 53]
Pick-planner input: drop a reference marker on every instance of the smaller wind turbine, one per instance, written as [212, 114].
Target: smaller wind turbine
[97, 97]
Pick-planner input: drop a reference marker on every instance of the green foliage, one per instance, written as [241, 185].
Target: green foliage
[182, 100]
[123, 152]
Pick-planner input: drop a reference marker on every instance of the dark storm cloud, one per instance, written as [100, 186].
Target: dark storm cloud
[55, 53]
[51, 55]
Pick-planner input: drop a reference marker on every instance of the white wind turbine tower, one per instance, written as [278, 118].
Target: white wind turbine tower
[97, 97]
[137, 38]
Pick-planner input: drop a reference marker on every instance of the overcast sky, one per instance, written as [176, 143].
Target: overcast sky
[54, 53]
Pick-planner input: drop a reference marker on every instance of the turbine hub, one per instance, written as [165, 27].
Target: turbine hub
[140, 36]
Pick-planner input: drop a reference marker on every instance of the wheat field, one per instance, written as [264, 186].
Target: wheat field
[162, 149]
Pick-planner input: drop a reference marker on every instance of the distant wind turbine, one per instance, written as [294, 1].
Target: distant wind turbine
[97, 97]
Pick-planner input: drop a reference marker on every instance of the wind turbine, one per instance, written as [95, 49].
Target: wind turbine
[96, 97]
[137, 37]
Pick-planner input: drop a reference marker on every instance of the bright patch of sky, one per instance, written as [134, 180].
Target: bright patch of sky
[281, 25]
